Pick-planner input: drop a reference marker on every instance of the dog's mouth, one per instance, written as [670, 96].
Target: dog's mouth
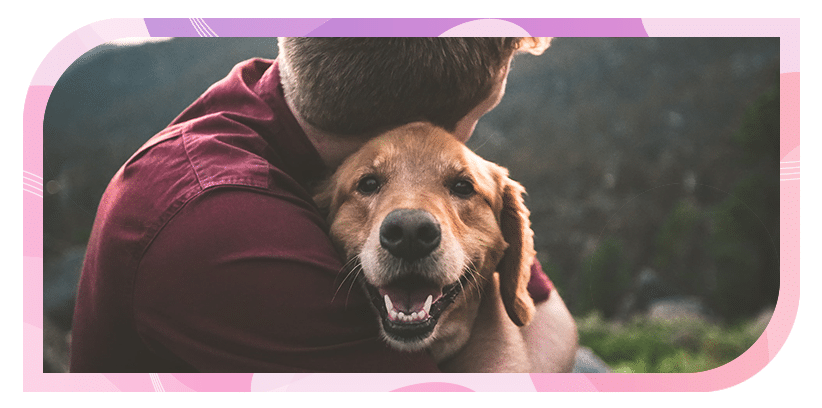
[410, 307]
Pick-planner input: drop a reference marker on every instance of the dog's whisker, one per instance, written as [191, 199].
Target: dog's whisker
[354, 266]
[351, 286]
[470, 272]
[399, 268]
[347, 266]
[474, 277]
[350, 269]
[481, 280]
[475, 283]
[480, 286]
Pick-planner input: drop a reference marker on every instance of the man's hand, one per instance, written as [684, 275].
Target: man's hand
[497, 345]
[551, 337]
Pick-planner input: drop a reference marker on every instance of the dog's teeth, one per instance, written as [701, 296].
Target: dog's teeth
[388, 305]
[397, 315]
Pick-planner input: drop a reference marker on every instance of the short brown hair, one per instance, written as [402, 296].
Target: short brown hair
[361, 86]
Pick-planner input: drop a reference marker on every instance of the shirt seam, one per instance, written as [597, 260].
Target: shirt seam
[208, 182]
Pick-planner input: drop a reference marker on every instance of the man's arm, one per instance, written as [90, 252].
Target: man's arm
[244, 281]
[497, 345]
[551, 337]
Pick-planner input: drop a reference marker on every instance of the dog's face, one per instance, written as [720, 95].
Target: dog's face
[424, 223]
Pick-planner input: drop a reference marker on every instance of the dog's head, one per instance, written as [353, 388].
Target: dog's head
[424, 223]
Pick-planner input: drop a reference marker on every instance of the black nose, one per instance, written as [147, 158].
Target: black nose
[410, 234]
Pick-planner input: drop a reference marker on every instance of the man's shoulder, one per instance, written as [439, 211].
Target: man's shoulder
[206, 153]
[224, 152]
[178, 165]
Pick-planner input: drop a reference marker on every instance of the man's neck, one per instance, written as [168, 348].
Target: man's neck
[333, 149]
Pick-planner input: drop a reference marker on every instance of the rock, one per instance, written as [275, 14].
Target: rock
[677, 308]
[588, 362]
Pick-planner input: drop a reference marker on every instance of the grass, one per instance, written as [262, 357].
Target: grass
[681, 346]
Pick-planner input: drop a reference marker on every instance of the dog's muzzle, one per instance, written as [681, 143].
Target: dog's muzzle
[411, 303]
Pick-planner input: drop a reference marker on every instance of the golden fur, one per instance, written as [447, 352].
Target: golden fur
[422, 167]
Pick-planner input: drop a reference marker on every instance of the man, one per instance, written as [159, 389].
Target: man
[208, 253]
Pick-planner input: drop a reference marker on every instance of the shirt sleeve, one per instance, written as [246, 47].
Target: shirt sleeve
[539, 286]
[243, 280]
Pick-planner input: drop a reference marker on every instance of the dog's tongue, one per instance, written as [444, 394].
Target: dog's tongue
[410, 299]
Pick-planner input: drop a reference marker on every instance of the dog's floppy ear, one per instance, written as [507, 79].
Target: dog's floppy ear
[323, 196]
[515, 267]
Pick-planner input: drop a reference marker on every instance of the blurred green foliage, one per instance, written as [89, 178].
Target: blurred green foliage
[680, 346]
[726, 253]
[759, 133]
[680, 248]
[744, 240]
[669, 243]
[606, 279]
[555, 275]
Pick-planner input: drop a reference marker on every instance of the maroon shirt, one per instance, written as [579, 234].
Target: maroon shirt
[208, 253]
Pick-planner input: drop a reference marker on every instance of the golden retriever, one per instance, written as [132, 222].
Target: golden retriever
[424, 224]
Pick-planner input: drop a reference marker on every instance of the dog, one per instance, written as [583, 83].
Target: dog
[424, 224]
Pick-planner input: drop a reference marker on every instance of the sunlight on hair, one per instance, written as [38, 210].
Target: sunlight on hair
[535, 45]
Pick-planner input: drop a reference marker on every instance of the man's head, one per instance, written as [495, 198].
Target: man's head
[365, 86]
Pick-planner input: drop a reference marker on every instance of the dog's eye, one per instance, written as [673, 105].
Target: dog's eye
[368, 185]
[462, 188]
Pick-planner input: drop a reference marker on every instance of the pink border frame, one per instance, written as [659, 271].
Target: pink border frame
[735, 372]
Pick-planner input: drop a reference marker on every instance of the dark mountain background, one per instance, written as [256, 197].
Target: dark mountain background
[651, 164]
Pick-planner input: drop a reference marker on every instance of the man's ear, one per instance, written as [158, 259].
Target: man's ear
[322, 196]
[515, 267]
